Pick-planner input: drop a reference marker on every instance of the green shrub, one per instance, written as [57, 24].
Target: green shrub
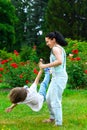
[29, 53]
[19, 69]
[15, 72]
[3, 54]
[77, 63]
[18, 74]
[4, 85]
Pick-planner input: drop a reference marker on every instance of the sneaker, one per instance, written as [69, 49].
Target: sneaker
[25, 86]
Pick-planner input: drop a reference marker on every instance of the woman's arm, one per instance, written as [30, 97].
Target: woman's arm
[9, 109]
[58, 54]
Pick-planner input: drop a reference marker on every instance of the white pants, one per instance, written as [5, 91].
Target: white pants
[54, 97]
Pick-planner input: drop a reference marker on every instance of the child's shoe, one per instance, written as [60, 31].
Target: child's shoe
[25, 86]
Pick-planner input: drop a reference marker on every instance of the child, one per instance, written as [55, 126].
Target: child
[30, 96]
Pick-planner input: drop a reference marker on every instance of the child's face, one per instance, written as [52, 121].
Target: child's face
[50, 42]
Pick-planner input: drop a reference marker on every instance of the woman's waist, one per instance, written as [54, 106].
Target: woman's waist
[58, 70]
[59, 73]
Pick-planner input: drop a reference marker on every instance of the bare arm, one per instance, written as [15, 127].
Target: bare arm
[9, 109]
[58, 54]
[38, 76]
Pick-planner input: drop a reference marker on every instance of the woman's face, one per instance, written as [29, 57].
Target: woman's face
[50, 42]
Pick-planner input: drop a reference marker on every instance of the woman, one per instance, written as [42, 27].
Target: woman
[55, 41]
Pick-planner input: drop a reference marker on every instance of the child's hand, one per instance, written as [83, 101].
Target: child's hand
[9, 109]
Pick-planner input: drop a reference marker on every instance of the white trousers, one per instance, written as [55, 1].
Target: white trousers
[54, 97]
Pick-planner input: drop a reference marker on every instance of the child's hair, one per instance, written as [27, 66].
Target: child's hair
[58, 36]
[17, 95]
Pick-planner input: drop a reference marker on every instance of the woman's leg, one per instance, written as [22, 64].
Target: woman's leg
[57, 106]
[48, 100]
[54, 98]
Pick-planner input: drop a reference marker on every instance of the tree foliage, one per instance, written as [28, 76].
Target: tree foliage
[69, 17]
[30, 14]
[7, 23]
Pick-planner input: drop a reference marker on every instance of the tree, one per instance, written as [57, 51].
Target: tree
[30, 14]
[69, 17]
[7, 23]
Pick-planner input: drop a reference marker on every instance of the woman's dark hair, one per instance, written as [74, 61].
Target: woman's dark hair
[58, 36]
[17, 95]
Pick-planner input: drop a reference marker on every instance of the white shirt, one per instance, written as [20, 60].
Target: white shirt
[34, 100]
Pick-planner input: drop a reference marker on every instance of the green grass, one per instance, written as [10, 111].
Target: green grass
[23, 118]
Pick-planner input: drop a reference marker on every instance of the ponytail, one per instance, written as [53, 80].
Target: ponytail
[58, 36]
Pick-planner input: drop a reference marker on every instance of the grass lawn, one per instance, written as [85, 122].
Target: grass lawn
[23, 118]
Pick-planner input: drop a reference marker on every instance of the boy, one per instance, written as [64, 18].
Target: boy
[30, 96]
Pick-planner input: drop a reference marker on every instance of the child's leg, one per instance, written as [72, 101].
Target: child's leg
[44, 83]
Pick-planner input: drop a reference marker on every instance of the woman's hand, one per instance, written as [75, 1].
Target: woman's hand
[41, 65]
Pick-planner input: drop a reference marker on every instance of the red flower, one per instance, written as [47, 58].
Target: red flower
[35, 71]
[1, 69]
[0, 75]
[21, 76]
[75, 51]
[10, 59]
[27, 81]
[72, 59]
[0, 81]
[85, 71]
[78, 58]
[14, 65]
[16, 53]
[4, 61]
